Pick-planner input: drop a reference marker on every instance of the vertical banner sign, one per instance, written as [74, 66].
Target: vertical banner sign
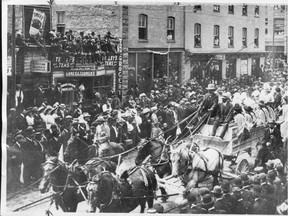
[37, 23]
[120, 72]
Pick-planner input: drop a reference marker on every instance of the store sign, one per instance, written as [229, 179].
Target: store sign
[279, 24]
[80, 73]
[63, 62]
[67, 87]
[37, 23]
[120, 70]
[111, 61]
[40, 66]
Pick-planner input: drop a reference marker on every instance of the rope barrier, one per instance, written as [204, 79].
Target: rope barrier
[29, 204]
[20, 191]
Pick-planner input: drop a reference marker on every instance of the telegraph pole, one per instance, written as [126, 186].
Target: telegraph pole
[273, 51]
[13, 86]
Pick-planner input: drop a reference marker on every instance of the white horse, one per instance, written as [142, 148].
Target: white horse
[194, 166]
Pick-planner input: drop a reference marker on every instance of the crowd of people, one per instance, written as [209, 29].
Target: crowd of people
[163, 115]
[260, 193]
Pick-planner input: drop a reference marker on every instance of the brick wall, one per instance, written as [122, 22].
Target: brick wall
[97, 18]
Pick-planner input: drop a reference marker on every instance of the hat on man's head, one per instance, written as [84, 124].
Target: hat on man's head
[237, 107]
[226, 186]
[211, 86]
[86, 114]
[227, 95]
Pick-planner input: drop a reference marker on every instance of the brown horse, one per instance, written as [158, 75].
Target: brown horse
[160, 161]
[97, 165]
[80, 149]
[64, 181]
[124, 194]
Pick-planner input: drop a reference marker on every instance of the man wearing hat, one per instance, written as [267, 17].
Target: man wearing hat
[220, 203]
[208, 106]
[260, 203]
[102, 130]
[39, 95]
[272, 136]
[224, 115]
[21, 122]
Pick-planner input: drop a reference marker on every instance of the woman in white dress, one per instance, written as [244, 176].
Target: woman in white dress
[284, 118]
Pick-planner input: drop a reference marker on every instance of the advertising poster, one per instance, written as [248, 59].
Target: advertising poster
[37, 23]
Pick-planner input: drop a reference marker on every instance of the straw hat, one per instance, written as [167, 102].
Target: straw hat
[211, 86]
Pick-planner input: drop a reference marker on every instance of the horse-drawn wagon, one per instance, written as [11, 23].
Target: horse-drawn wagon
[240, 149]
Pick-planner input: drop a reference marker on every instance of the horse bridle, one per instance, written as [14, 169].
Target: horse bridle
[113, 194]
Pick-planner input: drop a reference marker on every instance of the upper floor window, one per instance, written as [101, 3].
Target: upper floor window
[280, 8]
[244, 37]
[60, 16]
[231, 36]
[216, 41]
[256, 12]
[266, 21]
[197, 35]
[171, 28]
[256, 37]
[244, 10]
[143, 27]
[197, 8]
[216, 8]
[231, 9]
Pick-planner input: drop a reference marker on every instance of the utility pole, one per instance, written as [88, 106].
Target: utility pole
[13, 85]
[273, 51]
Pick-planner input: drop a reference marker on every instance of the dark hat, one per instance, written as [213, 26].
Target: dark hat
[217, 190]
[226, 186]
[244, 177]
[19, 136]
[237, 107]
[238, 182]
[248, 108]
[203, 190]
[256, 189]
[237, 191]
[271, 175]
[267, 189]
[207, 200]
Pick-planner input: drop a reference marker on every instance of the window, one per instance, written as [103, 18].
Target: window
[197, 35]
[256, 12]
[231, 36]
[61, 22]
[216, 8]
[280, 8]
[266, 31]
[244, 37]
[256, 37]
[216, 42]
[171, 28]
[266, 21]
[244, 10]
[197, 8]
[142, 27]
[60, 17]
[231, 9]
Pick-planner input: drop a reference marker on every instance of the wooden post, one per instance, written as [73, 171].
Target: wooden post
[13, 86]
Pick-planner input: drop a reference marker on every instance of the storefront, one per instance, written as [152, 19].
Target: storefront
[88, 78]
[150, 67]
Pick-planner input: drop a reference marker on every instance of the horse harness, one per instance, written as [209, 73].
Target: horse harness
[204, 159]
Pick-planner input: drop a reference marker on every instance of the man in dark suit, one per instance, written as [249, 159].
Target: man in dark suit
[114, 132]
[224, 115]
[272, 136]
[39, 95]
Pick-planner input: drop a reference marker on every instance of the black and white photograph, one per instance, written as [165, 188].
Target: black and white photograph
[153, 107]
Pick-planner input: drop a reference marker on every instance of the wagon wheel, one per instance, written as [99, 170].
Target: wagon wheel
[242, 167]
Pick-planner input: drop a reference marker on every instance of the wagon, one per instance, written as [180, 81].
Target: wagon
[240, 151]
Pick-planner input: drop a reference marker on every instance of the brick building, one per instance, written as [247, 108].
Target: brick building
[30, 55]
[224, 41]
[276, 20]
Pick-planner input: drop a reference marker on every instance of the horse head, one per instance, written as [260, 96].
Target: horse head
[180, 159]
[100, 190]
[53, 173]
[143, 152]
